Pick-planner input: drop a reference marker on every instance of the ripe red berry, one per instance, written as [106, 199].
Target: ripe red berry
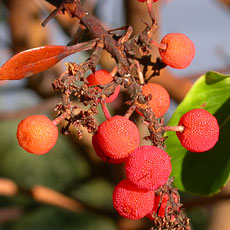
[37, 134]
[148, 167]
[160, 101]
[101, 154]
[163, 206]
[179, 51]
[131, 202]
[201, 130]
[118, 137]
[103, 77]
[161, 203]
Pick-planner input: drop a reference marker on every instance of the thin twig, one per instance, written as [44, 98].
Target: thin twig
[204, 201]
[48, 196]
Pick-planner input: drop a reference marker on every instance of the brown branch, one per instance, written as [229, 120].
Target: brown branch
[204, 201]
[48, 196]
[75, 9]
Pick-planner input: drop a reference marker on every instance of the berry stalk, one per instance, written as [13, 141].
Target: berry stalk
[59, 119]
[105, 110]
[178, 128]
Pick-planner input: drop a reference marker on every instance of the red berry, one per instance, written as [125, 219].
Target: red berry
[160, 101]
[148, 167]
[179, 51]
[101, 154]
[162, 202]
[118, 137]
[131, 202]
[37, 134]
[103, 77]
[201, 130]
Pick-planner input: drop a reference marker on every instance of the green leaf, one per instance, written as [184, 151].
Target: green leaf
[203, 173]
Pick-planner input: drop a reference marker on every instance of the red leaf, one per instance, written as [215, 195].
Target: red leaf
[32, 61]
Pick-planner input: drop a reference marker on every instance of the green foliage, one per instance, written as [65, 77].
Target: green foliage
[52, 218]
[203, 173]
[96, 192]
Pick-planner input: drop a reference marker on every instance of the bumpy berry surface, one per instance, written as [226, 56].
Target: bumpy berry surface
[180, 50]
[148, 167]
[160, 101]
[37, 134]
[118, 137]
[103, 77]
[131, 202]
[101, 154]
[201, 130]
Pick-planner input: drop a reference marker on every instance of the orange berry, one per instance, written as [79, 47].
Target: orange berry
[160, 101]
[118, 137]
[103, 77]
[201, 130]
[179, 52]
[131, 202]
[37, 134]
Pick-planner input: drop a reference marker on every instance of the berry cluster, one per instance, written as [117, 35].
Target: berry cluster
[147, 167]
[146, 190]
[117, 140]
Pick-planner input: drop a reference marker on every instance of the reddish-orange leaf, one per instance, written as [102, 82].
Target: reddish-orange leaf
[32, 61]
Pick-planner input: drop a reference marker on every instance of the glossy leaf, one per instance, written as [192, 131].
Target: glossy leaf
[203, 173]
